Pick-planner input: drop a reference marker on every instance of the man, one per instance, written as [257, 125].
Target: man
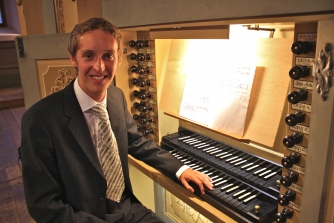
[61, 143]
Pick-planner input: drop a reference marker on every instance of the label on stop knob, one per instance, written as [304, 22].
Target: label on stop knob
[299, 149]
[294, 206]
[300, 128]
[310, 37]
[303, 84]
[301, 107]
[296, 188]
[298, 169]
[305, 61]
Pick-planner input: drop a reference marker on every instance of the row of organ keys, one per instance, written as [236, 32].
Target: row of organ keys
[243, 183]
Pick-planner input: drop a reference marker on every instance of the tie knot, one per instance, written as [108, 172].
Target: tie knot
[99, 110]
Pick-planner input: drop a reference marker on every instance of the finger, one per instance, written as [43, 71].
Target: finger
[187, 186]
[199, 183]
[201, 187]
[208, 184]
[207, 177]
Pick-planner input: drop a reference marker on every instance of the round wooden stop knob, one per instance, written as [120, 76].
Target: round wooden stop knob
[289, 161]
[296, 96]
[287, 180]
[298, 72]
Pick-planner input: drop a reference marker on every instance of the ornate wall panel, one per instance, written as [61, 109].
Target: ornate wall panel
[179, 211]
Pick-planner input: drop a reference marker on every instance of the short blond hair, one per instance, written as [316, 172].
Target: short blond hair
[89, 25]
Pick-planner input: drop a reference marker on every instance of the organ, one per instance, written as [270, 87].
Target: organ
[256, 179]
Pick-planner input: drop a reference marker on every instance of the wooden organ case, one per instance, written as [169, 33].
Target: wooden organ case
[285, 153]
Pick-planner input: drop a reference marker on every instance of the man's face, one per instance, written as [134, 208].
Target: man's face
[97, 61]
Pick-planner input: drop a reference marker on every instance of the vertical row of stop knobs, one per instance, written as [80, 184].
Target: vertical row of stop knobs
[141, 81]
[294, 97]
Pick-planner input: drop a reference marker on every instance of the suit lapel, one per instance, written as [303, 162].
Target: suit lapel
[78, 126]
[114, 117]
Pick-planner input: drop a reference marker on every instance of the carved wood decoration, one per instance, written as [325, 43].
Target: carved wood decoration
[322, 71]
[55, 79]
[59, 10]
[54, 75]
[62, 80]
[180, 211]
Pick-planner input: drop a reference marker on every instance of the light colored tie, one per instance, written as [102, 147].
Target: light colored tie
[109, 157]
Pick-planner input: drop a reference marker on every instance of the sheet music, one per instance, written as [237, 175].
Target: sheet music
[218, 87]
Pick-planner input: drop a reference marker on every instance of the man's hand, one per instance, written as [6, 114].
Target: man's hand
[198, 178]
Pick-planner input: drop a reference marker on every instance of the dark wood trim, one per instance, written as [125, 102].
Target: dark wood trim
[319, 13]
[12, 103]
[178, 28]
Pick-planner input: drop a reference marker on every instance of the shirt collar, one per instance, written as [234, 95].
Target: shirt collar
[85, 101]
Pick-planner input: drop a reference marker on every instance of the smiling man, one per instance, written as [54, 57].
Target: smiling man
[75, 167]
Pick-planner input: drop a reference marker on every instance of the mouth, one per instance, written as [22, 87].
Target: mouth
[100, 77]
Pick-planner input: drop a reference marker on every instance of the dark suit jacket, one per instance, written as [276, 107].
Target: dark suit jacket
[62, 176]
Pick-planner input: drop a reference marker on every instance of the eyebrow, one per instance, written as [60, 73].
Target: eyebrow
[86, 51]
[92, 51]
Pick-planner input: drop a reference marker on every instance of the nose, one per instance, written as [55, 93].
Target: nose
[99, 65]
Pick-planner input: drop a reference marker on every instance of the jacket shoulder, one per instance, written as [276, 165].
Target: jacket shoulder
[50, 103]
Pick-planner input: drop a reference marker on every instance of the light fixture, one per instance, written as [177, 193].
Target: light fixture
[257, 28]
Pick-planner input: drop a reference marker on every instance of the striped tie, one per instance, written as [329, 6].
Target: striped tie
[109, 157]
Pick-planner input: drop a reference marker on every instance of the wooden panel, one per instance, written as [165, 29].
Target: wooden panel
[318, 188]
[33, 14]
[268, 94]
[175, 11]
[88, 9]
[219, 33]
[54, 75]
[180, 211]
[40, 47]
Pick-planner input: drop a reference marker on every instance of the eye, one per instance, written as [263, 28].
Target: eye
[109, 56]
[88, 55]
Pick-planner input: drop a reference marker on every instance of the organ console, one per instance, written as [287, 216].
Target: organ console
[249, 186]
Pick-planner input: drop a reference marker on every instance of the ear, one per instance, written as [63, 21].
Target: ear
[72, 59]
[119, 60]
